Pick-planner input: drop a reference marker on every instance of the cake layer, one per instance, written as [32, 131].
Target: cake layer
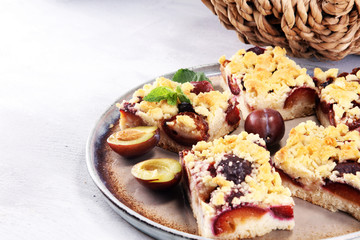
[322, 165]
[338, 97]
[197, 114]
[269, 79]
[326, 199]
[233, 190]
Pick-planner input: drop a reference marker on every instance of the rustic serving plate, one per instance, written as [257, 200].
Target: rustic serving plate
[167, 215]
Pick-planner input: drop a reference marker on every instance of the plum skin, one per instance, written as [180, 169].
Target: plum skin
[137, 149]
[173, 167]
[224, 223]
[201, 87]
[268, 123]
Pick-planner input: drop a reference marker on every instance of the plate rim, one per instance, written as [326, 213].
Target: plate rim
[137, 217]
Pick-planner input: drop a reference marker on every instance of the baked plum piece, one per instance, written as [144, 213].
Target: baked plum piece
[266, 78]
[322, 165]
[338, 97]
[233, 190]
[185, 113]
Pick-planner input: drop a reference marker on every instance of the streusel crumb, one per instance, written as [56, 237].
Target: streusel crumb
[312, 152]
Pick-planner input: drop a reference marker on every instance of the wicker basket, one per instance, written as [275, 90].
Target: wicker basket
[326, 29]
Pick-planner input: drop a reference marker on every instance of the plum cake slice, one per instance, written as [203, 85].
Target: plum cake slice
[266, 78]
[233, 190]
[322, 165]
[338, 97]
[185, 113]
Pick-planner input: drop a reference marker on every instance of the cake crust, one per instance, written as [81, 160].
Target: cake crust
[322, 165]
[338, 97]
[233, 190]
[269, 79]
[211, 115]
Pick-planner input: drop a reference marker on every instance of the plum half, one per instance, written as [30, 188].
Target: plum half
[136, 141]
[158, 174]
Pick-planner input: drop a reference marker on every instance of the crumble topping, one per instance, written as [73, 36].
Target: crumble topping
[214, 165]
[207, 104]
[343, 93]
[324, 76]
[312, 152]
[184, 125]
[267, 77]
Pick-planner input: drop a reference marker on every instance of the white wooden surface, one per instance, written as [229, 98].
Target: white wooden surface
[62, 63]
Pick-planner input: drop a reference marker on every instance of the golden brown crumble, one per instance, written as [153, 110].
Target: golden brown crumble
[312, 152]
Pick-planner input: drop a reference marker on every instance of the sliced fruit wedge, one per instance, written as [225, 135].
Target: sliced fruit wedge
[136, 141]
[158, 174]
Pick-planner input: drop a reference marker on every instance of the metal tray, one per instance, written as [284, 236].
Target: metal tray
[168, 215]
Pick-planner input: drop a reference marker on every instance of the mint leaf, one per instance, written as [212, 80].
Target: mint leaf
[182, 97]
[159, 93]
[200, 76]
[184, 75]
[166, 93]
[172, 98]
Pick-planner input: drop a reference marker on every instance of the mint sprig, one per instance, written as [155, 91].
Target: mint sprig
[182, 97]
[184, 75]
[166, 93]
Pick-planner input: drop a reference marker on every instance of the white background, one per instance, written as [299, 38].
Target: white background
[62, 63]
